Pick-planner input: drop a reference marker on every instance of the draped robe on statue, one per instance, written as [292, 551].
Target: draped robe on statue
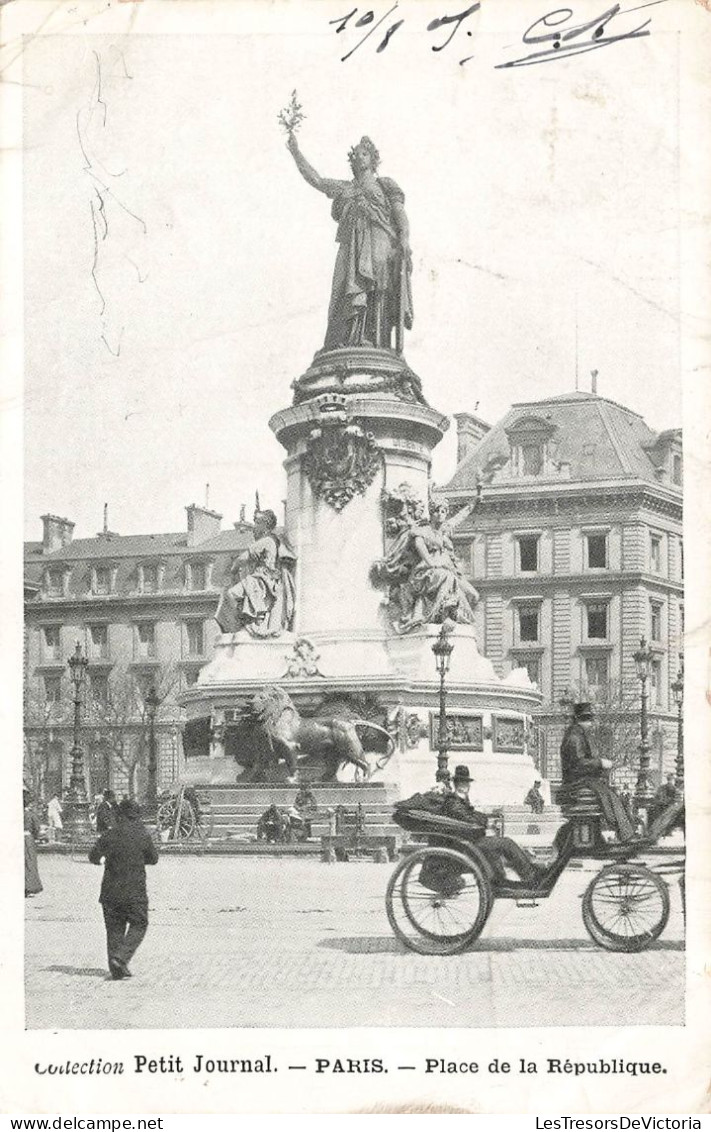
[368, 277]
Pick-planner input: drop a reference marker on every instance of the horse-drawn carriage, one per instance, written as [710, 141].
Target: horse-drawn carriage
[440, 895]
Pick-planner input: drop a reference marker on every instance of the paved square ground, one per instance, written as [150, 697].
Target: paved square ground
[237, 941]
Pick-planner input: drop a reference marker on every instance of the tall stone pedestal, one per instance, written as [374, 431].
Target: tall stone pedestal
[359, 427]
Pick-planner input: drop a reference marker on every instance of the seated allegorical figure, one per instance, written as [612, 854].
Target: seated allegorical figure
[262, 600]
[426, 582]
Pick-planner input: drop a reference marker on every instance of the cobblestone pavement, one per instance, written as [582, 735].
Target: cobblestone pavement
[237, 941]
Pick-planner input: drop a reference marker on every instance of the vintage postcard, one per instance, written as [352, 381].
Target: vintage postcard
[356, 657]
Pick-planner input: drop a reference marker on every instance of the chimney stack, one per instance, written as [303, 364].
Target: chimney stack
[202, 524]
[470, 430]
[56, 532]
[593, 382]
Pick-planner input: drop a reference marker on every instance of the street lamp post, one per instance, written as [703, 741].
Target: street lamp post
[442, 648]
[152, 701]
[643, 661]
[76, 802]
[678, 693]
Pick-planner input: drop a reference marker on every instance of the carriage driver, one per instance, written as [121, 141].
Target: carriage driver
[582, 769]
[501, 852]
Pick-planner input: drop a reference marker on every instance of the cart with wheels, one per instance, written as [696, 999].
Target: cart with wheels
[440, 896]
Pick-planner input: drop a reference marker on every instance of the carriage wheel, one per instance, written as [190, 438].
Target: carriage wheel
[165, 815]
[626, 907]
[438, 901]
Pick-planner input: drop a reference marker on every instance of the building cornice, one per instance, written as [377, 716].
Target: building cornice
[582, 582]
[559, 496]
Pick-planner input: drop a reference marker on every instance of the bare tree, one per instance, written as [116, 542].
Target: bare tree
[120, 719]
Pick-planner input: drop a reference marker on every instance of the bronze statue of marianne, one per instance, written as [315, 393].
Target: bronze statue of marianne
[371, 298]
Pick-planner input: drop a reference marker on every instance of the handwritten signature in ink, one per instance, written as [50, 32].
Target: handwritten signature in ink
[91, 121]
[563, 38]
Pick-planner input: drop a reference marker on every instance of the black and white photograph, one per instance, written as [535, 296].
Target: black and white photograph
[357, 440]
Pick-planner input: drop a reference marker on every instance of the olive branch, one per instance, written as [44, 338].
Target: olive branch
[291, 117]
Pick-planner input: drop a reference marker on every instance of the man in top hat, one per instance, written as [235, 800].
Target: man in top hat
[581, 767]
[502, 852]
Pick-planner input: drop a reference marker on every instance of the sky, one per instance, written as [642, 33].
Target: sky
[177, 268]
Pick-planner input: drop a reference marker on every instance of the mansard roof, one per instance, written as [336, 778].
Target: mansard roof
[127, 552]
[589, 438]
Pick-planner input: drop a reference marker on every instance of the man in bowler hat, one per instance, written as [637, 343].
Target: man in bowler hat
[581, 768]
[502, 852]
[126, 848]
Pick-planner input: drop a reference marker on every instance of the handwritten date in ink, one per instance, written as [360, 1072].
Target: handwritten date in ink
[367, 20]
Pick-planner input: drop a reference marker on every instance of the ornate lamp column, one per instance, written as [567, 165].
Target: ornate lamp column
[643, 661]
[152, 702]
[442, 648]
[678, 693]
[76, 802]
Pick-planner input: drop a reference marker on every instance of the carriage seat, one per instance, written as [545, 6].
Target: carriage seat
[579, 801]
[580, 806]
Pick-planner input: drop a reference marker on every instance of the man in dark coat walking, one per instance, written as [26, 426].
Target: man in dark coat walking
[106, 812]
[581, 768]
[126, 849]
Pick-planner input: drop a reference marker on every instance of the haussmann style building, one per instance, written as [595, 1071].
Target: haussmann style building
[576, 550]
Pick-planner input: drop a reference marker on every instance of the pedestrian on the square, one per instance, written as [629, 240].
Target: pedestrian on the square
[106, 812]
[534, 798]
[54, 817]
[31, 824]
[126, 848]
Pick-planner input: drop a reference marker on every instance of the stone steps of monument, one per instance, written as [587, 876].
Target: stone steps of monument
[265, 794]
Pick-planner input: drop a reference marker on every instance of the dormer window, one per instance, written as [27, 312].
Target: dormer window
[530, 439]
[531, 459]
[150, 577]
[677, 469]
[197, 575]
[103, 578]
[55, 581]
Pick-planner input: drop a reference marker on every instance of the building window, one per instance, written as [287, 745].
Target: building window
[528, 553]
[655, 683]
[596, 552]
[531, 459]
[655, 621]
[196, 638]
[681, 558]
[102, 580]
[677, 469]
[149, 579]
[99, 689]
[528, 618]
[53, 689]
[55, 583]
[655, 554]
[99, 641]
[597, 621]
[146, 634]
[595, 672]
[197, 574]
[681, 622]
[191, 675]
[50, 643]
